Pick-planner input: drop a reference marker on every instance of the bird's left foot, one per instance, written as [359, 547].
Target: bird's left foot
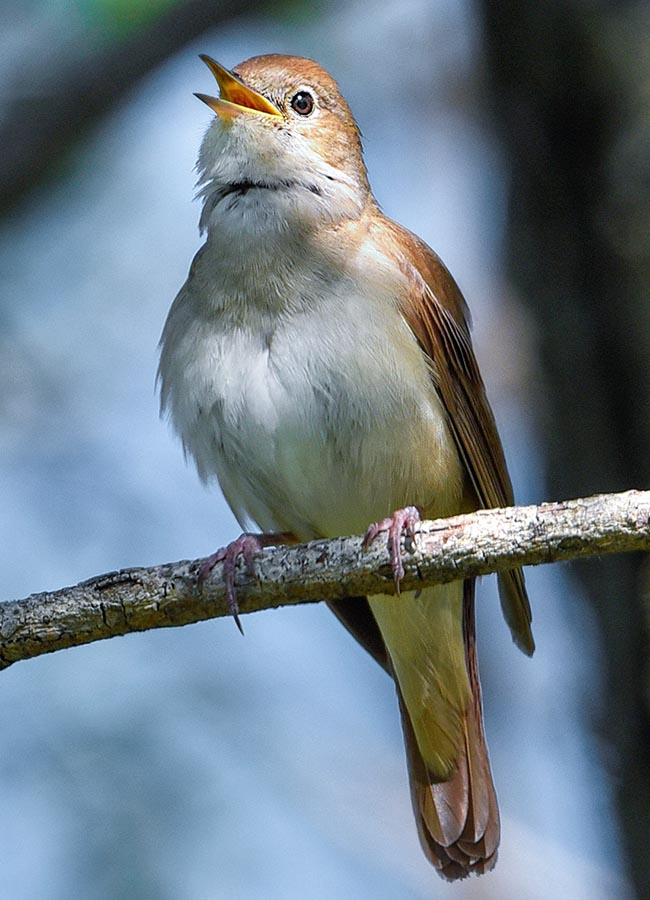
[402, 522]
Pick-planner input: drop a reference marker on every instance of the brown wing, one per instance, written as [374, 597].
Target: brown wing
[355, 614]
[438, 316]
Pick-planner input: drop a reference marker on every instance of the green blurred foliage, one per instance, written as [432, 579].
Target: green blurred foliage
[121, 17]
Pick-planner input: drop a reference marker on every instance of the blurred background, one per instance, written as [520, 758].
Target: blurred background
[194, 764]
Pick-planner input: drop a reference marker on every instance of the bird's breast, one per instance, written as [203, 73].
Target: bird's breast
[317, 421]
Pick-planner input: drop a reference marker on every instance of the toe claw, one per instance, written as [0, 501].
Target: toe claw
[246, 546]
[402, 522]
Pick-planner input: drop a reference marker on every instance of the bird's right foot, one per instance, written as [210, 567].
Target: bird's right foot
[246, 546]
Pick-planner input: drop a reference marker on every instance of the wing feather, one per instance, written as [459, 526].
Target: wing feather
[435, 310]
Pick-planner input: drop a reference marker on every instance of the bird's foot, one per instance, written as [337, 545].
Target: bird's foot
[246, 546]
[402, 522]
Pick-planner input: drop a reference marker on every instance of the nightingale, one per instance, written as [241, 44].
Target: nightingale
[317, 363]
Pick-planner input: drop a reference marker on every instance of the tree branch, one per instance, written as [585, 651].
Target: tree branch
[446, 550]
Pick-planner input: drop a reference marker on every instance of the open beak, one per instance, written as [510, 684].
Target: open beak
[236, 98]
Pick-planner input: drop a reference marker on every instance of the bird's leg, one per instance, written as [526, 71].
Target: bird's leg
[401, 522]
[246, 545]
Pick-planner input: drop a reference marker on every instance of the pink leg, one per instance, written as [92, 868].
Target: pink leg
[246, 545]
[402, 522]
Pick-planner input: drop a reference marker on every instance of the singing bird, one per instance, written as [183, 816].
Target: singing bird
[317, 362]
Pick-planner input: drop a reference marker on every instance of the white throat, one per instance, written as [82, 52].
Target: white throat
[254, 181]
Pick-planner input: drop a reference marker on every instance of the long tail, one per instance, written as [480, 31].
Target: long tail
[457, 819]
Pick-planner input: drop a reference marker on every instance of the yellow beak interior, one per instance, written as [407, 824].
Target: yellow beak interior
[236, 97]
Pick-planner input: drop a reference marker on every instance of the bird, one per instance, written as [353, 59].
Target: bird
[317, 363]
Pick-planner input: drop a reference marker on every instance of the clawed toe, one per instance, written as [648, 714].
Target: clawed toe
[246, 546]
[402, 522]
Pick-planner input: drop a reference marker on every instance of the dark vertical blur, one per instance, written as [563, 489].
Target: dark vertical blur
[569, 95]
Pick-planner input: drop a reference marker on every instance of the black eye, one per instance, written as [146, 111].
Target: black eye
[302, 103]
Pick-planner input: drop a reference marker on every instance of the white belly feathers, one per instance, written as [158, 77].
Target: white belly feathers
[310, 427]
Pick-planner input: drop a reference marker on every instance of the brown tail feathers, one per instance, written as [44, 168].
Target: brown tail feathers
[457, 819]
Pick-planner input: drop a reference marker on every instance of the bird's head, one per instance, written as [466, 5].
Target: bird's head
[284, 145]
